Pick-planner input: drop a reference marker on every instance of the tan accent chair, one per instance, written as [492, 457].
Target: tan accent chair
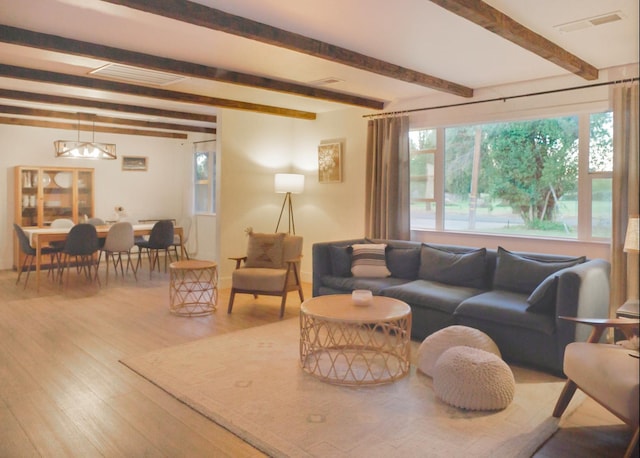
[607, 373]
[271, 267]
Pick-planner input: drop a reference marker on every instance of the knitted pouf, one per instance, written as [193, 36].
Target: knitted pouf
[473, 379]
[434, 345]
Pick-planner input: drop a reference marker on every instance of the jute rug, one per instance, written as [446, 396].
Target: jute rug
[251, 383]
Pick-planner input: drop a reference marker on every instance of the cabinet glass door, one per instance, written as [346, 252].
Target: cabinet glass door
[57, 195]
[85, 194]
[28, 198]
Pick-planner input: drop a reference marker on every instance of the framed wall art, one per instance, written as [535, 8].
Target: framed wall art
[134, 163]
[330, 163]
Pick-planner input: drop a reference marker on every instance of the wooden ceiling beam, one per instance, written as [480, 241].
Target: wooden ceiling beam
[201, 15]
[56, 43]
[117, 107]
[90, 117]
[74, 126]
[499, 23]
[43, 76]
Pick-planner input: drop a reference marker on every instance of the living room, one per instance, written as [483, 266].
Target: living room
[250, 148]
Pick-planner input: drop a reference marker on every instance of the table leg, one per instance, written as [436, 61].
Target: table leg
[38, 251]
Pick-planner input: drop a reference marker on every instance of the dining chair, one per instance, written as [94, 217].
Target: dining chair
[81, 244]
[160, 239]
[119, 241]
[96, 221]
[185, 224]
[62, 223]
[30, 255]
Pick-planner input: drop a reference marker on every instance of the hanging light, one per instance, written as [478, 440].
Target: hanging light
[84, 150]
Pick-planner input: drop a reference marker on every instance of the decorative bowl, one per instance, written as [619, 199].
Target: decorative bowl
[362, 297]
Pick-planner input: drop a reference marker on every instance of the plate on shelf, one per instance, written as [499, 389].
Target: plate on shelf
[46, 180]
[63, 179]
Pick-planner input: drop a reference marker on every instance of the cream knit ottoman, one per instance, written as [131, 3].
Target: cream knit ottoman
[437, 343]
[473, 379]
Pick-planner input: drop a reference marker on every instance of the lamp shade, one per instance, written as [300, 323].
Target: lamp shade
[631, 241]
[289, 182]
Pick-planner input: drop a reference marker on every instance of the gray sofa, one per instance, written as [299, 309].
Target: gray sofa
[515, 298]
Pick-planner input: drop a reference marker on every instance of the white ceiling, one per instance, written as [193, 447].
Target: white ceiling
[415, 34]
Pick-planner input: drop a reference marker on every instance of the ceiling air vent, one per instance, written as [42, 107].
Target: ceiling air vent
[589, 22]
[136, 75]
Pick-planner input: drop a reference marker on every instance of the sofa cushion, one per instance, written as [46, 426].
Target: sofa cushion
[506, 308]
[340, 257]
[429, 294]
[369, 260]
[523, 273]
[348, 284]
[543, 298]
[460, 269]
[265, 250]
[403, 262]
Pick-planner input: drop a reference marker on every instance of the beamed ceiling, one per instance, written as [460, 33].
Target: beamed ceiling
[177, 62]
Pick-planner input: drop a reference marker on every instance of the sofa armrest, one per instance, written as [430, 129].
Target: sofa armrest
[583, 292]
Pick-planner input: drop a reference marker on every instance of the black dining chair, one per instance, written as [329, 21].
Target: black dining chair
[82, 244]
[30, 255]
[160, 239]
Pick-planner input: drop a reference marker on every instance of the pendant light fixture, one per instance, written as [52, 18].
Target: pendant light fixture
[84, 150]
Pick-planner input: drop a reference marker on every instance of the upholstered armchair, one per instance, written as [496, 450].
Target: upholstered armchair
[271, 267]
[607, 373]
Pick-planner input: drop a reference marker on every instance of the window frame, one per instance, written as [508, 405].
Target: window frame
[585, 177]
[211, 192]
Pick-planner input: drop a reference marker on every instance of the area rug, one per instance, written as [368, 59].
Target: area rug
[251, 383]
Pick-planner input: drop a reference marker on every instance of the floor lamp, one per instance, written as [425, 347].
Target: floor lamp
[288, 183]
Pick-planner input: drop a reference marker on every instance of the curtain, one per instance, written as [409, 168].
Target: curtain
[387, 179]
[625, 190]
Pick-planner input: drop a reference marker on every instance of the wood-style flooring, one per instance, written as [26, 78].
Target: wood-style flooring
[64, 393]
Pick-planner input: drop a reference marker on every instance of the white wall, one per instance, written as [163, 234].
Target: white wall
[253, 147]
[159, 192]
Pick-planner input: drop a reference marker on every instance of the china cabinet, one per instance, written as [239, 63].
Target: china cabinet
[43, 194]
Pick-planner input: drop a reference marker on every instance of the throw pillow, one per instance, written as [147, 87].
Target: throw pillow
[459, 269]
[543, 298]
[522, 274]
[403, 262]
[340, 257]
[368, 260]
[265, 250]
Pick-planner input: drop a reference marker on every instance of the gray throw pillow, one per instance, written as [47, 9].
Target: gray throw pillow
[403, 262]
[523, 273]
[543, 298]
[459, 269]
[340, 257]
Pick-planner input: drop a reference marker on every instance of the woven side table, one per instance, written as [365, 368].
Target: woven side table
[193, 290]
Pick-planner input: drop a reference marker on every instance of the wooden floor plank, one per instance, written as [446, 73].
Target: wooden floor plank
[65, 393]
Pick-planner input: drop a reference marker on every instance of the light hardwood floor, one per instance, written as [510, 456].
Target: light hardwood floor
[64, 393]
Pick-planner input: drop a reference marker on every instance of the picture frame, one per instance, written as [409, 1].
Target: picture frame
[330, 163]
[134, 163]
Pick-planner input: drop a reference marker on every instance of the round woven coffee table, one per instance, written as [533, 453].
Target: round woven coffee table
[193, 289]
[347, 344]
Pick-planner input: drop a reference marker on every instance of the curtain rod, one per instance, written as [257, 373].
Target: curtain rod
[501, 99]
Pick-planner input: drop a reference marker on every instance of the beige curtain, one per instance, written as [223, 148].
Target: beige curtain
[387, 180]
[625, 189]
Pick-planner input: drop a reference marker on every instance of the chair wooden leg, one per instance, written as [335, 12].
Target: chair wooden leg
[565, 397]
[231, 298]
[632, 449]
[282, 304]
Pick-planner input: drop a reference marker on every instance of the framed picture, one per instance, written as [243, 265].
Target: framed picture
[135, 163]
[330, 163]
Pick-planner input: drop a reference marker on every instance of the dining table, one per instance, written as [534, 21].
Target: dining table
[43, 236]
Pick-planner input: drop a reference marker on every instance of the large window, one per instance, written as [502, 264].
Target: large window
[204, 161]
[537, 177]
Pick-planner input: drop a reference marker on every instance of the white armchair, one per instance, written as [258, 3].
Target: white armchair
[607, 373]
[271, 267]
